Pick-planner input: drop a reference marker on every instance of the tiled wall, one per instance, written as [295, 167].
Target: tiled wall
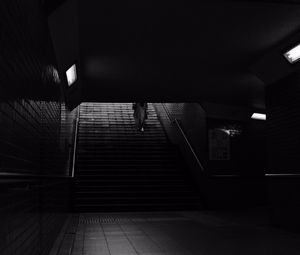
[30, 103]
[31, 216]
[283, 106]
[29, 134]
[283, 119]
[33, 135]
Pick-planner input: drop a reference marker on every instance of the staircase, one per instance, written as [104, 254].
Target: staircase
[121, 169]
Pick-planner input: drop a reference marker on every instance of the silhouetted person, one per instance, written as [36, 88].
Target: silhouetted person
[140, 114]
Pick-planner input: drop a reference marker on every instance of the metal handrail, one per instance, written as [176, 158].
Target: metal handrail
[7, 175]
[236, 176]
[184, 136]
[189, 145]
[265, 176]
[167, 112]
[282, 175]
[75, 142]
[25, 176]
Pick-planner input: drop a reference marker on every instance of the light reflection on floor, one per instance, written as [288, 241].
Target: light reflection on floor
[182, 233]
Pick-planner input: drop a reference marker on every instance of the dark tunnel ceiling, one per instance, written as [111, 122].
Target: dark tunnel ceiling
[179, 50]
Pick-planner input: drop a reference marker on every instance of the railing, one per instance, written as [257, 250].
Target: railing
[263, 176]
[8, 175]
[167, 112]
[235, 176]
[75, 143]
[282, 175]
[184, 136]
[189, 144]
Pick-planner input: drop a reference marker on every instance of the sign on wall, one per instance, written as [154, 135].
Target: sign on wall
[219, 144]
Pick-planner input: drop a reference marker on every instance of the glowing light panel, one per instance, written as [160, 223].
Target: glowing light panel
[71, 75]
[293, 55]
[258, 116]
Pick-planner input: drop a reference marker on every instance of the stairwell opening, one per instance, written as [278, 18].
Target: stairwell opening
[121, 169]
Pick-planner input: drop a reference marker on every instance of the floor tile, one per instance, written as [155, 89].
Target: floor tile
[190, 233]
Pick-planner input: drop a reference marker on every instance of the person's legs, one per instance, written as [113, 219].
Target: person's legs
[142, 120]
[137, 123]
[141, 126]
[139, 118]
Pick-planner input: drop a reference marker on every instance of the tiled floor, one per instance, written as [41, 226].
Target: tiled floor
[197, 233]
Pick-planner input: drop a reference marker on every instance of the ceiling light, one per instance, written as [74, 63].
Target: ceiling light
[258, 116]
[293, 55]
[71, 75]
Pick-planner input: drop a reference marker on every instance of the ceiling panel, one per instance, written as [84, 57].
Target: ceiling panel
[179, 50]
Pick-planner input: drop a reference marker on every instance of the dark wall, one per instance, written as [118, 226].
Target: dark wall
[247, 160]
[283, 119]
[192, 121]
[247, 147]
[283, 107]
[30, 98]
[247, 153]
[247, 164]
[247, 137]
[32, 213]
[32, 144]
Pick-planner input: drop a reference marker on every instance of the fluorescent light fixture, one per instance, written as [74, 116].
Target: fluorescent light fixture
[258, 116]
[293, 55]
[71, 75]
